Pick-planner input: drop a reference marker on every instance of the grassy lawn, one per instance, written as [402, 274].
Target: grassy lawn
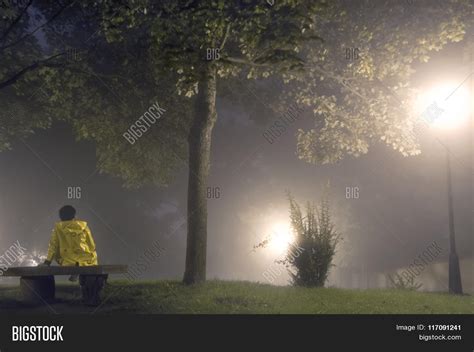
[229, 297]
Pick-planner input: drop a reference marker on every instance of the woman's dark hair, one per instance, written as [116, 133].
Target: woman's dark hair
[67, 213]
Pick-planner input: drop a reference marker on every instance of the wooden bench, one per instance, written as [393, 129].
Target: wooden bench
[37, 283]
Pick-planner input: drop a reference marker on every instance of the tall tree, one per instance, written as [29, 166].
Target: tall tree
[203, 41]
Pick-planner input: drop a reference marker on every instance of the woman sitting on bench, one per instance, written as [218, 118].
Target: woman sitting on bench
[71, 242]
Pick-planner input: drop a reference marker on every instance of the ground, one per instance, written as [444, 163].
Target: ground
[224, 297]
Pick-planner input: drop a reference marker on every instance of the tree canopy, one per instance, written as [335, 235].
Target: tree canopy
[101, 65]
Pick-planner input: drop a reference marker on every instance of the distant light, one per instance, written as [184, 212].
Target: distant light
[281, 237]
[32, 258]
[446, 105]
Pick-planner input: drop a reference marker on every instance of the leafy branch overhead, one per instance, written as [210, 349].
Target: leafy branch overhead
[130, 52]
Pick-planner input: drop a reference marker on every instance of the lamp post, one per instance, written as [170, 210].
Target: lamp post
[450, 106]
[455, 284]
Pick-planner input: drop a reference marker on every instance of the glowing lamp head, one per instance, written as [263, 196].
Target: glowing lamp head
[446, 105]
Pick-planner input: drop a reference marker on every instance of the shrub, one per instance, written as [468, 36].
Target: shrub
[403, 284]
[310, 258]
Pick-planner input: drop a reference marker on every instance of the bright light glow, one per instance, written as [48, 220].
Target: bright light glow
[32, 258]
[280, 237]
[454, 100]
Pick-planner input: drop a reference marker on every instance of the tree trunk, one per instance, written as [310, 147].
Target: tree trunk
[199, 161]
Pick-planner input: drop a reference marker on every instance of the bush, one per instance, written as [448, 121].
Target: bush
[310, 258]
[400, 283]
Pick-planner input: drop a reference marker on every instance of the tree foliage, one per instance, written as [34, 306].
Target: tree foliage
[357, 81]
[131, 52]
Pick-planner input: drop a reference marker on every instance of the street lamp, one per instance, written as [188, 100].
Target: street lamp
[455, 282]
[448, 106]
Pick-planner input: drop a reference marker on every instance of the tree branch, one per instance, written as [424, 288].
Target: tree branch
[337, 78]
[16, 76]
[19, 40]
[240, 61]
[226, 35]
[15, 21]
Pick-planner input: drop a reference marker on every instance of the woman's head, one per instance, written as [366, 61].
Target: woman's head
[67, 212]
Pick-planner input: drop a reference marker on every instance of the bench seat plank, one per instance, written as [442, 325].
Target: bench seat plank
[65, 270]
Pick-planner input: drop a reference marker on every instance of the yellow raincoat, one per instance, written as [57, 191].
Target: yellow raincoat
[72, 244]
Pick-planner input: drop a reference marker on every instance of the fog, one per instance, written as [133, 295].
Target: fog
[400, 208]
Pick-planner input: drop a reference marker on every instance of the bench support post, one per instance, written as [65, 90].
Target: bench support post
[91, 285]
[37, 289]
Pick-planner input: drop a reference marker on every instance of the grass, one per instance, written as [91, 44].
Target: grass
[228, 297]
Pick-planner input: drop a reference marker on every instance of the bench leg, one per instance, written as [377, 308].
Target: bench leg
[91, 285]
[37, 289]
